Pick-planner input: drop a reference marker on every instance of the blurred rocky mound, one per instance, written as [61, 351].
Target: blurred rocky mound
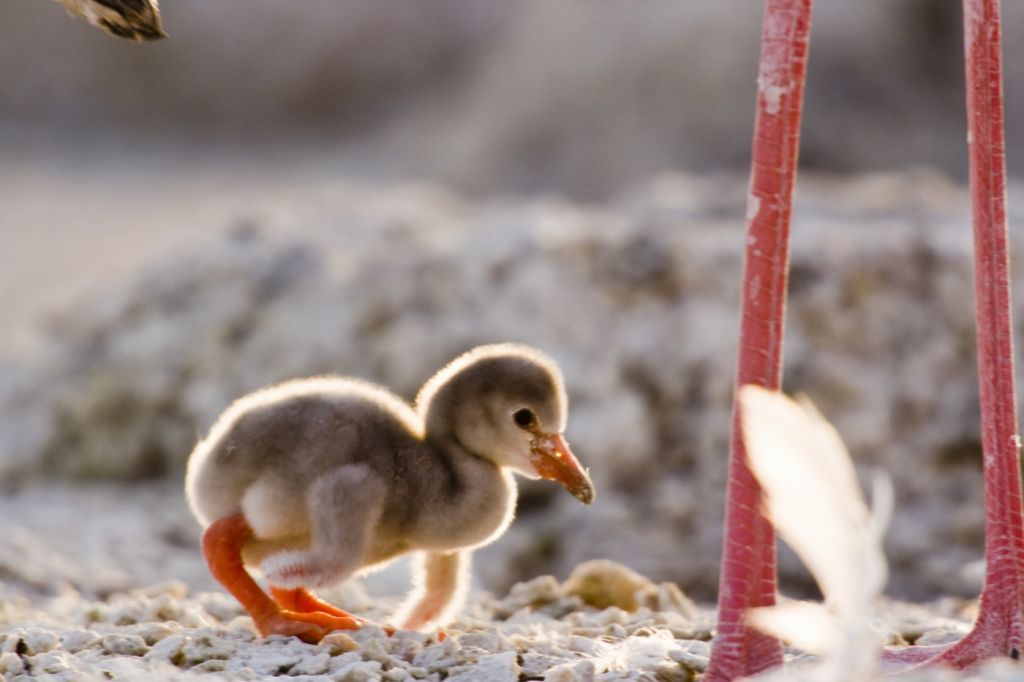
[580, 95]
[637, 301]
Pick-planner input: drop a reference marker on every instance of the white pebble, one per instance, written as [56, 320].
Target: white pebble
[612, 614]
[79, 640]
[11, 663]
[338, 643]
[376, 650]
[39, 641]
[581, 644]
[210, 666]
[313, 665]
[578, 671]
[151, 633]
[487, 640]
[168, 649]
[366, 671]
[434, 658]
[535, 664]
[339, 663]
[51, 663]
[501, 667]
[206, 647]
[124, 645]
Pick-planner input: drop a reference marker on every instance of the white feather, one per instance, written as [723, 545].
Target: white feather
[807, 626]
[812, 496]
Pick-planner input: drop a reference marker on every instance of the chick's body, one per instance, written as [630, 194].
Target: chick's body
[364, 452]
[316, 480]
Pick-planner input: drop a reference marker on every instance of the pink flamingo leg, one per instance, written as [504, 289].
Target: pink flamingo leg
[748, 575]
[999, 629]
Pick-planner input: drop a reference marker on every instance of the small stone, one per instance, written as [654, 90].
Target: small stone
[338, 643]
[79, 640]
[435, 658]
[577, 671]
[367, 632]
[376, 650]
[583, 645]
[612, 614]
[488, 640]
[11, 663]
[151, 633]
[501, 667]
[616, 630]
[124, 645]
[364, 671]
[207, 646]
[680, 626]
[672, 672]
[535, 664]
[406, 645]
[51, 663]
[211, 666]
[532, 594]
[941, 635]
[602, 583]
[317, 664]
[187, 614]
[122, 611]
[39, 641]
[693, 655]
[168, 649]
[339, 663]
[271, 662]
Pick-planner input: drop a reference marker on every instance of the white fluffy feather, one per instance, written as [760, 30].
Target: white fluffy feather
[812, 496]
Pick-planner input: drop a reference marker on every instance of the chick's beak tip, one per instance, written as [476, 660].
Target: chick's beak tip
[554, 461]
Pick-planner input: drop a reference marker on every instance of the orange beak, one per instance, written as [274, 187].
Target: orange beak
[553, 460]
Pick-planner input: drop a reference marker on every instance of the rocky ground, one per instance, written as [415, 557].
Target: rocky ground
[126, 596]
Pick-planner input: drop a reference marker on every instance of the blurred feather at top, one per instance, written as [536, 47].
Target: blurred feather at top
[578, 97]
[137, 20]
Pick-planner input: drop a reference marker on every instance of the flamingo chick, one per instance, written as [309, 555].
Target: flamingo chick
[317, 480]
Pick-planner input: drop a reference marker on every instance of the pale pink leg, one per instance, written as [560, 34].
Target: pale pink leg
[747, 577]
[999, 629]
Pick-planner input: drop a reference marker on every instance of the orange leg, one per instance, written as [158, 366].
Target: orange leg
[303, 601]
[222, 546]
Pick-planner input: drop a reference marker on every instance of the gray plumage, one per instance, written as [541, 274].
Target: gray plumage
[336, 475]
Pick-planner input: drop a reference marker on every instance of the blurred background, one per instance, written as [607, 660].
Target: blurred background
[582, 98]
[372, 186]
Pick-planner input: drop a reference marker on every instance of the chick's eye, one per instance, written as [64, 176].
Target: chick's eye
[524, 418]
